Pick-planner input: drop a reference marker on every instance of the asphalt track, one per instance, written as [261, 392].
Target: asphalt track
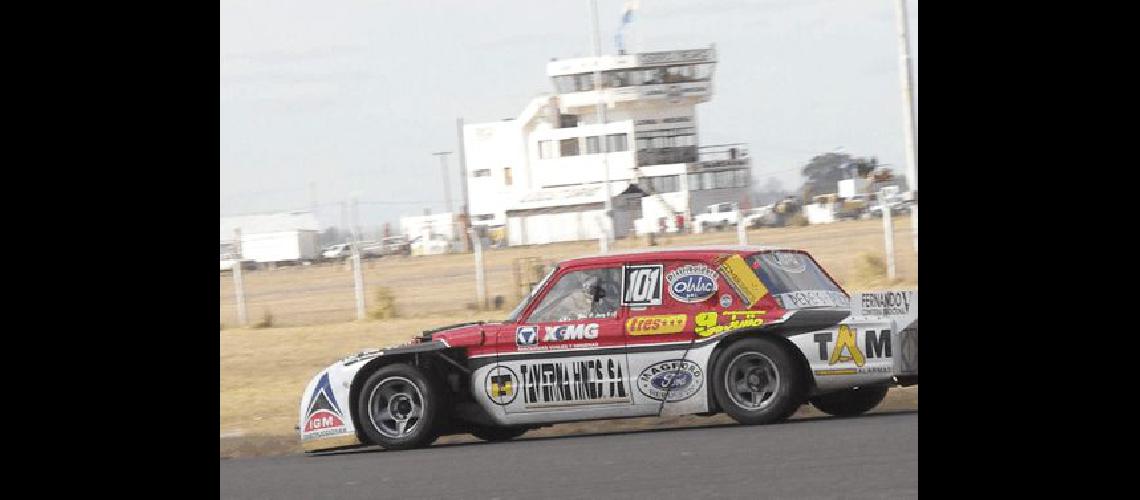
[870, 456]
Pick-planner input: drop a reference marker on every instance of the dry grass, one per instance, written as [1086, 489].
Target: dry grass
[441, 285]
[263, 371]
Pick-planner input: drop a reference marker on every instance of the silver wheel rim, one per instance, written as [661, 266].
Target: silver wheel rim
[395, 407]
[752, 381]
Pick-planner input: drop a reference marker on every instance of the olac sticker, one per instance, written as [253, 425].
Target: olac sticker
[692, 283]
[743, 280]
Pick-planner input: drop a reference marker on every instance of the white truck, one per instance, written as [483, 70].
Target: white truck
[717, 216]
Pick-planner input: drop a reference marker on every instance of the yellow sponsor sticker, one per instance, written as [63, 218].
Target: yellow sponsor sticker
[656, 325]
[743, 280]
[838, 371]
[708, 323]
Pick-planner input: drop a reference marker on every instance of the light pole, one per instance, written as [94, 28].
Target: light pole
[908, 116]
[447, 194]
[600, 108]
[446, 185]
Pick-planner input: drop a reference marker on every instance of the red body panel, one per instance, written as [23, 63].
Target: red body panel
[671, 321]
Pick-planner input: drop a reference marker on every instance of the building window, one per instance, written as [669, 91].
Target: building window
[724, 179]
[545, 150]
[483, 172]
[741, 178]
[481, 217]
[567, 121]
[661, 184]
[694, 182]
[616, 142]
[507, 176]
[593, 145]
[569, 147]
[708, 180]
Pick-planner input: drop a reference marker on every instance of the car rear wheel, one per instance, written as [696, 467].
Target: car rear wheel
[399, 407]
[850, 402]
[498, 433]
[757, 381]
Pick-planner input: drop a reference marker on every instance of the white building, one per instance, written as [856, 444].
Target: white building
[282, 237]
[555, 144]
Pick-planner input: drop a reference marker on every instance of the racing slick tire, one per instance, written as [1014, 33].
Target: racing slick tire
[498, 433]
[850, 402]
[399, 407]
[758, 381]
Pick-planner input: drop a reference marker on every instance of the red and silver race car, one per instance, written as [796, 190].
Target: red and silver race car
[753, 332]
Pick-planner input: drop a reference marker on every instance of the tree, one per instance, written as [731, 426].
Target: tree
[772, 192]
[825, 171]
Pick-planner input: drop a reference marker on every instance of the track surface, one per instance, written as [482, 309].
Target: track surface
[871, 456]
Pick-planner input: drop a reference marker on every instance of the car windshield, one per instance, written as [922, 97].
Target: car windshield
[796, 281]
[522, 305]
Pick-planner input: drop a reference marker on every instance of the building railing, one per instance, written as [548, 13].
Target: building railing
[665, 156]
[715, 152]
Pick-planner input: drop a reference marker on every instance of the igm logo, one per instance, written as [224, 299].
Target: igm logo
[846, 349]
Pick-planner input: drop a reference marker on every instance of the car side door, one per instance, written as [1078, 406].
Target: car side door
[567, 351]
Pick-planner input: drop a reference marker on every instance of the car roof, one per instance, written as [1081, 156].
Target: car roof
[701, 251]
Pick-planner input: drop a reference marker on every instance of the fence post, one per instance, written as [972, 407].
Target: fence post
[480, 282]
[741, 234]
[888, 235]
[239, 289]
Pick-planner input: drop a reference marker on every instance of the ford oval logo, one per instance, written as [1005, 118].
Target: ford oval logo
[671, 380]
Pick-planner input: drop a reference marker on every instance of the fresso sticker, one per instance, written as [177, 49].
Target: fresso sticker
[641, 285]
[656, 325]
[560, 383]
[692, 283]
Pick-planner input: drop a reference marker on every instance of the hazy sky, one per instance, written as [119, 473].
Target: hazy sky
[354, 96]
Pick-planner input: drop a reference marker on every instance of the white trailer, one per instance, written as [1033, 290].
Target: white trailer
[281, 246]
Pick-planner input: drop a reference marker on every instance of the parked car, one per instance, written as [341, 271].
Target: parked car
[338, 251]
[396, 245]
[754, 332]
[719, 216]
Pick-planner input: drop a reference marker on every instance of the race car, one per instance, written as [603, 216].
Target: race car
[754, 332]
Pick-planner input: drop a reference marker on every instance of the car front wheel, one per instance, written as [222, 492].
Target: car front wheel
[399, 407]
[850, 402]
[757, 381]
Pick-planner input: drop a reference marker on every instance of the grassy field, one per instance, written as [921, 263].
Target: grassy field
[264, 370]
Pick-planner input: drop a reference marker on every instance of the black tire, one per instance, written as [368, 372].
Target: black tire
[498, 433]
[405, 384]
[850, 402]
[756, 354]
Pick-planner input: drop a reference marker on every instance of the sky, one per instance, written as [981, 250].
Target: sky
[321, 101]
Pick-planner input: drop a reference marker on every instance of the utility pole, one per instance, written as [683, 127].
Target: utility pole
[446, 185]
[603, 137]
[313, 197]
[463, 185]
[239, 290]
[447, 190]
[908, 117]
